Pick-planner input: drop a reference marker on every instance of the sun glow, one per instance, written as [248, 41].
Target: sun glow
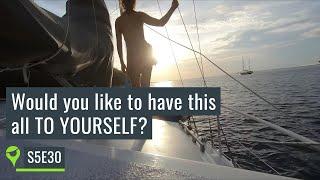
[162, 51]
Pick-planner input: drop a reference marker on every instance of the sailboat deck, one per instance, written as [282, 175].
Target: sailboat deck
[99, 162]
[168, 140]
[169, 155]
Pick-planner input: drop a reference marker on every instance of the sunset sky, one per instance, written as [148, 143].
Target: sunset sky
[273, 34]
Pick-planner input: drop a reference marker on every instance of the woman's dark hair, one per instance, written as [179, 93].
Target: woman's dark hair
[128, 5]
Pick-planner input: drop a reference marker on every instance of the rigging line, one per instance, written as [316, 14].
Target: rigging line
[195, 125]
[197, 27]
[282, 142]
[202, 68]
[171, 47]
[225, 72]
[117, 7]
[112, 12]
[176, 62]
[195, 55]
[228, 146]
[273, 126]
[50, 57]
[260, 159]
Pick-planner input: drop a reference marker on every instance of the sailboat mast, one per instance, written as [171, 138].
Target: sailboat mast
[242, 64]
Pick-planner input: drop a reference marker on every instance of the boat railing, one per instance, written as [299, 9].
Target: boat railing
[213, 134]
[304, 141]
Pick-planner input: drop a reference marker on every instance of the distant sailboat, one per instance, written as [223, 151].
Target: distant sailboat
[244, 70]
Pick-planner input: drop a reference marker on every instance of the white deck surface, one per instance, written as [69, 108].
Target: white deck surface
[168, 139]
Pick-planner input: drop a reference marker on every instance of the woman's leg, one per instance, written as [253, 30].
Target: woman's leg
[135, 81]
[146, 76]
[134, 77]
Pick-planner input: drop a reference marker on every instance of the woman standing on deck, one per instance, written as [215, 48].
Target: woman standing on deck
[139, 53]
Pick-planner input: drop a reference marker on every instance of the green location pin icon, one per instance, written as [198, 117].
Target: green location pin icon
[13, 154]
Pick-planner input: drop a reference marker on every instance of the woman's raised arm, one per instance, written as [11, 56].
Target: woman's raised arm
[163, 21]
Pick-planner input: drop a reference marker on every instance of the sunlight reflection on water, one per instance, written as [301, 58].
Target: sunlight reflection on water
[163, 84]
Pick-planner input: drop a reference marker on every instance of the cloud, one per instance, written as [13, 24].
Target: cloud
[312, 33]
[292, 26]
[222, 9]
